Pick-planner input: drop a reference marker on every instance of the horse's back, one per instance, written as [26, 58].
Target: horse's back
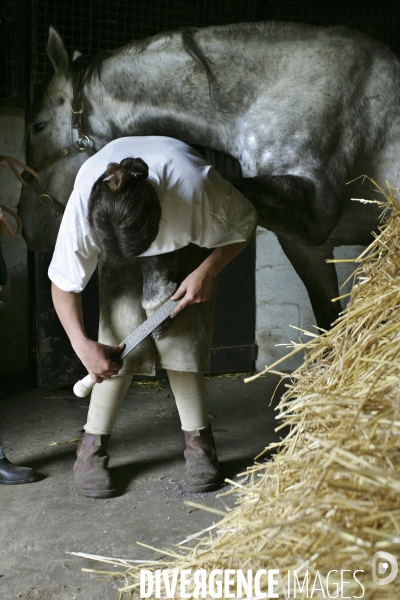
[312, 97]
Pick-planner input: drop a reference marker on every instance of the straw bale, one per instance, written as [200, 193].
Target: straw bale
[329, 498]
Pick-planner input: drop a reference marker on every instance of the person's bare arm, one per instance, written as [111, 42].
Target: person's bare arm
[96, 357]
[198, 285]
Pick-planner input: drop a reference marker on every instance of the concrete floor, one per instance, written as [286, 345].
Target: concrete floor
[41, 522]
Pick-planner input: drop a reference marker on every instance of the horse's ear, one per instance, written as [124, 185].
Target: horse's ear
[56, 51]
[76, 55]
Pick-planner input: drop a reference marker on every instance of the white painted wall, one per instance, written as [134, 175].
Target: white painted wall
[282, 300]
[14, 329]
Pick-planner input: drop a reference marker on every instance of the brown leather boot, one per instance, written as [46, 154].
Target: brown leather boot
[92, 477]
[202, 468]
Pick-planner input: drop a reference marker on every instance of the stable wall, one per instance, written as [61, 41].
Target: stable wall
[14, 296]
[282, 300]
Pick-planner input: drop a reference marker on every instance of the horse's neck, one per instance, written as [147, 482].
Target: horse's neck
[161, 90]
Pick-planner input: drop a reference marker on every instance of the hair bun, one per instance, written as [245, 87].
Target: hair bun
[120, 176]
[136, 167]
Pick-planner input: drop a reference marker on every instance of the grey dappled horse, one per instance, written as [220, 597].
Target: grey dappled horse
[303, 109]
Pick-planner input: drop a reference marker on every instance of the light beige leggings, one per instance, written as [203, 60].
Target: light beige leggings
[188, 388]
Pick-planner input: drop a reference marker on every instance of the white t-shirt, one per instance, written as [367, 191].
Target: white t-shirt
[197, 206]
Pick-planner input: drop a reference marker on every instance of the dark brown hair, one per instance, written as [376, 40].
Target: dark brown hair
[124, 211]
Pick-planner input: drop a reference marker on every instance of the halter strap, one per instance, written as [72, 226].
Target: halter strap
[30, 176]
[81, 145]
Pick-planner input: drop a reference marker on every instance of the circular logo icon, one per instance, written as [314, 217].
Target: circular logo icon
[384, 564]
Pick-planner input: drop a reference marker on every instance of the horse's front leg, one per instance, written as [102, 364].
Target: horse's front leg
[159, 273]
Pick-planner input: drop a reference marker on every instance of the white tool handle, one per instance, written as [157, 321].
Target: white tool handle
[83, 387]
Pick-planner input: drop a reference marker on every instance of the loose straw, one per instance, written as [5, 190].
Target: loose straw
[329, 497]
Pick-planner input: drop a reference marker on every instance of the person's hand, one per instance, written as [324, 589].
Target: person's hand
[100, 360]
[195, 288]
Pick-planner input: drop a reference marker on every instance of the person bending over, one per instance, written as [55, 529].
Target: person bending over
[159, 226]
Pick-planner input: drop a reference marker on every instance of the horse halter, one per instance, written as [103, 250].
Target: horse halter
[82, 144]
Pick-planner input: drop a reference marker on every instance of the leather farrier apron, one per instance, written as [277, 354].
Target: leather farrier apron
[185, 346]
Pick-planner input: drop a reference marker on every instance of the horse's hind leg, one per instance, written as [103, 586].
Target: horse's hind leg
[290, 206]
[319, 278]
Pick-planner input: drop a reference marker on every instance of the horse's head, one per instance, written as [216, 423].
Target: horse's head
[49, 132]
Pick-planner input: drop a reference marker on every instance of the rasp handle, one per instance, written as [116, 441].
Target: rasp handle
[83, 387]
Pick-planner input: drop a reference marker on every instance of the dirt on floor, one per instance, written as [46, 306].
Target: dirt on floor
[43, 521]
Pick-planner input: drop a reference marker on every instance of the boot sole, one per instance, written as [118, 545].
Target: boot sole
[96, 493]
[31, 480]
[209, 487]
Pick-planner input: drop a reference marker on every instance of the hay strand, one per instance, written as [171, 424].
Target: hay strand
[329, 498]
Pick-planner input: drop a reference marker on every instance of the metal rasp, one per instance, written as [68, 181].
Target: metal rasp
[84, 386]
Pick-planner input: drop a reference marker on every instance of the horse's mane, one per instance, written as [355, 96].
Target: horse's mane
[83, 68]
